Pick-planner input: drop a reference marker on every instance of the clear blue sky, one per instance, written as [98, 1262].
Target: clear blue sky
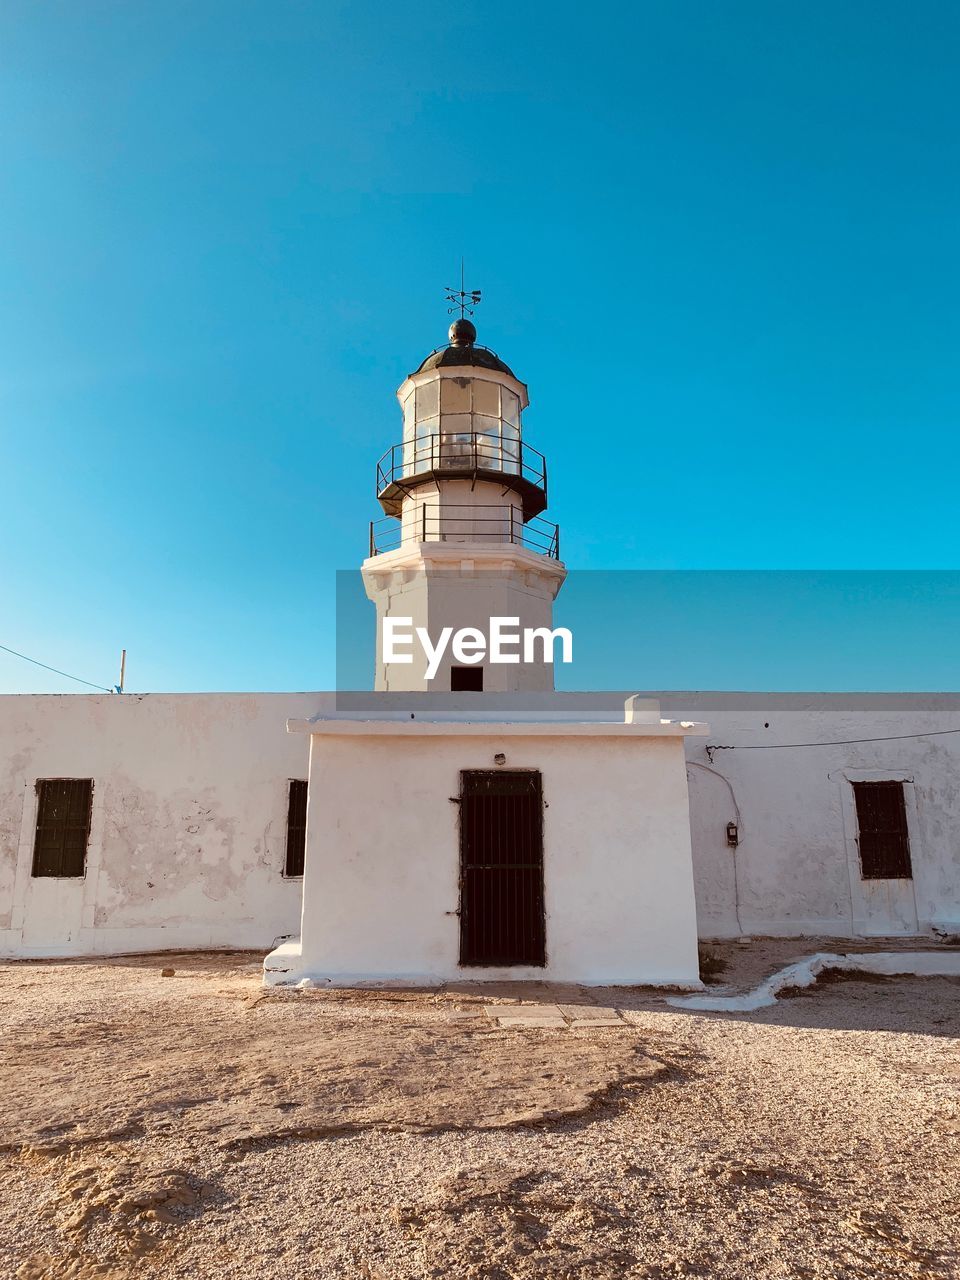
[719, 241]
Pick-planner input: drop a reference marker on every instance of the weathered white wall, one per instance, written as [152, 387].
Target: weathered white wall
[381, 885]
[188, 833]
[797, 865]
[189, 820]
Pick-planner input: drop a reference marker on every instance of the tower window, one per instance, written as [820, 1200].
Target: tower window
[296, 827]
[466, 679]
[63, 826]
[882, 822]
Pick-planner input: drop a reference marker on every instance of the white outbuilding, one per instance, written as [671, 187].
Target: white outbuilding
[508, 844]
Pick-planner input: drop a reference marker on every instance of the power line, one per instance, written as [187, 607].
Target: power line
[55, 670]
[843, 742]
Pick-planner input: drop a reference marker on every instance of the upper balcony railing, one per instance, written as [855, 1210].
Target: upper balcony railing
[486, 524]
[473, 455]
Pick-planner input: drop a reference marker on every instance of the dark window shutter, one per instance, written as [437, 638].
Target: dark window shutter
[296, 827]
[63, 826]
[882, 824]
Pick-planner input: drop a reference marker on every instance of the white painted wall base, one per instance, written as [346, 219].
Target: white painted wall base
[248, 936]
[804, 973]
[284, 967]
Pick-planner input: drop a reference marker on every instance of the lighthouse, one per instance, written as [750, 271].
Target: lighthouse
[462, 539]
[533, 834]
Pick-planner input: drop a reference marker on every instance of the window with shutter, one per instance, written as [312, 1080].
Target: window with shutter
[882, 831]
[296, 827]
[63, 826]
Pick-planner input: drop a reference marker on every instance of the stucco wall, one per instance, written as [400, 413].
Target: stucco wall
[381, 886]
[189, 820]
[797, 864]
[188, 829]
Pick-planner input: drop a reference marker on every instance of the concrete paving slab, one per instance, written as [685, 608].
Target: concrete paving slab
[590, 1024]
[522, 1011]
[519, 1020]
[518, 991]
[582, 1012]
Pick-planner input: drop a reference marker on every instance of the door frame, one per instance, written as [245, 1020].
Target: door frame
[861, 922]
[52, 911]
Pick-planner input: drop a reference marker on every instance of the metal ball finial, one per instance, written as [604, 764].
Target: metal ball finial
[463, 333]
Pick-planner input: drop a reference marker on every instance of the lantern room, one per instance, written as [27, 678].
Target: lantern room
[462, 419]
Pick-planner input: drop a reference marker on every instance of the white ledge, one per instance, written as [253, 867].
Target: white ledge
[333, 727]
[484, 557]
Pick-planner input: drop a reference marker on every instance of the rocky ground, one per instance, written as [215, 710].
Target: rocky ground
[196, 1126]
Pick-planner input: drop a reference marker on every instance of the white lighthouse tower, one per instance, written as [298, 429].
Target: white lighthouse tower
[462, 539]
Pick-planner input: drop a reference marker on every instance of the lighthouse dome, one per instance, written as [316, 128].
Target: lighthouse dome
[463, 351]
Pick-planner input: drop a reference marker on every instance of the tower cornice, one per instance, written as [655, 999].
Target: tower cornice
[462, 559]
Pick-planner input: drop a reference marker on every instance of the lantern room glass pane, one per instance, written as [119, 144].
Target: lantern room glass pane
[455, 395]
[456, 443]
[486, 397]
[510, 407]
[428, 401]
[488, 440]
[425, 445]
[511, 449]
[409, 416]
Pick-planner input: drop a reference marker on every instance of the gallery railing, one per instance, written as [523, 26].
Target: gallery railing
[483, 523]
[466, 452]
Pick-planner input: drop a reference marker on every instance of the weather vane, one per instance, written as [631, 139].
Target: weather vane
[463, 300]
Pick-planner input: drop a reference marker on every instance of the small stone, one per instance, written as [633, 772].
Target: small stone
[167, 973]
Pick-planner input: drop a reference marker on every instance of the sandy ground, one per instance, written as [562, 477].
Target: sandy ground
[195, 1126]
